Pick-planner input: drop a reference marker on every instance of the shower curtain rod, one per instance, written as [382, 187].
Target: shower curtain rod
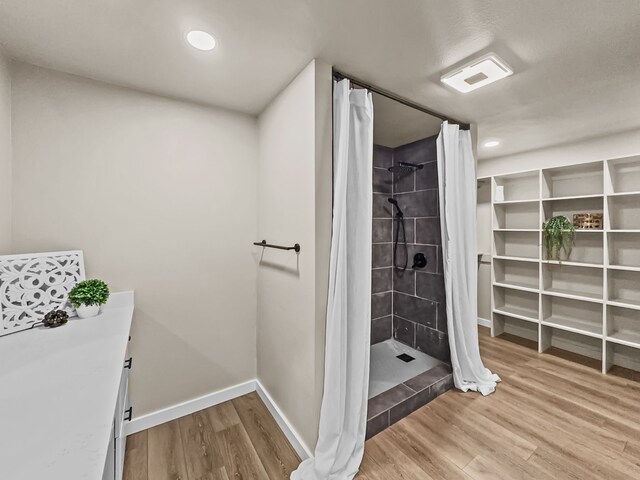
[354, 81]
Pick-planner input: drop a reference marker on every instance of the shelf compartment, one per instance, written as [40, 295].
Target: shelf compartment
[588, 249]
[517, 244]
[519, 186]
[574, 180]
[516, 274]
[624, 249]
[563, 339]
[623, 356]
[623, 326]
[625, 174]
[568, 207]
[624, 212]
[504, 323]
[624, 288]
[572, 315]
[519, 304]
[517, 216]
[572, 282]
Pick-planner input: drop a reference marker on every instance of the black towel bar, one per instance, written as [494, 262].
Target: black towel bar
[264, 243]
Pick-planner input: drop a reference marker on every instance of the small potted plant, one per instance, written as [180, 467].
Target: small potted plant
[87, 297]
[559, 235]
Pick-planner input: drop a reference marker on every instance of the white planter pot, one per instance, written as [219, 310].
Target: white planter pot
[88, 311]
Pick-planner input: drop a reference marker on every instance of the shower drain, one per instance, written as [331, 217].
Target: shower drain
[406, 358]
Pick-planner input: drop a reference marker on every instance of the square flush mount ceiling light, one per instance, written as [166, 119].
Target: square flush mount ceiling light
[477, 73]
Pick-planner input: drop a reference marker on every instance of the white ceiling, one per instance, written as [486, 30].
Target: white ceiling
[576, 61]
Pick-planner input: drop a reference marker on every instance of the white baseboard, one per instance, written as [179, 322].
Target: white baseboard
[483, 322]
[206, 401]
[187, 408]
[295, 440]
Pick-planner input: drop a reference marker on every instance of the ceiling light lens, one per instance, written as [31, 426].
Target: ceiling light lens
[201, 40]
[477, 73]
[492, 143]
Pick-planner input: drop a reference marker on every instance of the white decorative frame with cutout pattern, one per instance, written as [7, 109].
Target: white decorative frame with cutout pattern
[32, 285]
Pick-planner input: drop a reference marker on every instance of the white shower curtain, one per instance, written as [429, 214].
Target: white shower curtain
[340, 445]
[457, 184]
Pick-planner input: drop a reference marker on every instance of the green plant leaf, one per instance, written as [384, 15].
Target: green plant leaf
[559, 236]
[89, 292]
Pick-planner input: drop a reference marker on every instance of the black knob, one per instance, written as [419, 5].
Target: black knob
[419, 261]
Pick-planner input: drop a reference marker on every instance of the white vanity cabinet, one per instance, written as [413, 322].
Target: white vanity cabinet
[63, 397]
[114, 465]
[110, 464]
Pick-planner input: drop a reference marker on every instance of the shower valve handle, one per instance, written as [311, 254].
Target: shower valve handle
[419, 261]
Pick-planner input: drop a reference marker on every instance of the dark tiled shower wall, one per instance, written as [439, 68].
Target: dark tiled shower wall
[382, 274]
[408, 305]
[419, 311]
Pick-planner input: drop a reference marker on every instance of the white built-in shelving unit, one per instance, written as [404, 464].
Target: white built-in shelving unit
[588, 303]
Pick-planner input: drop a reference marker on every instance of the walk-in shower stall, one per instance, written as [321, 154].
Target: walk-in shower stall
[403, 178]
[409, 343]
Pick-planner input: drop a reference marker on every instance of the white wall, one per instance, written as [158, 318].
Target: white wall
[294, 206]
[591, 150]
[5, 155]
[600, 148]
[161, 196]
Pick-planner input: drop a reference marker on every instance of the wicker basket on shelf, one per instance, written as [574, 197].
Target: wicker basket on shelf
[587, 221]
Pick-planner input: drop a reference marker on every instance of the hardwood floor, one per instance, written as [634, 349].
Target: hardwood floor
[234, 440]
[551, 418]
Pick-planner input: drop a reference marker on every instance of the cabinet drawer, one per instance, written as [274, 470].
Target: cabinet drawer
[123, 403]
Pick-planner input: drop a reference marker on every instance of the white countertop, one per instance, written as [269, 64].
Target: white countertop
[58, 393]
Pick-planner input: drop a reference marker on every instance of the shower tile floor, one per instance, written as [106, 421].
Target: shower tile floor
[397, 388]
[387, 370]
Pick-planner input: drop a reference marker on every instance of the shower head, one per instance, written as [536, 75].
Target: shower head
[394, 202]
[405, 167]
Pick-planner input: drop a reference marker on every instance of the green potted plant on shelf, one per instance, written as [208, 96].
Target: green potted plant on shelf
[88, 296]
[559, 236]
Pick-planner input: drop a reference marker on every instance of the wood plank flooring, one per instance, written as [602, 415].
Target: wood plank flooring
[551, 418]
[554, 416]
[234, 440]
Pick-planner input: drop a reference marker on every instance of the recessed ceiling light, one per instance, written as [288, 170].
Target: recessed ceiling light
[477, 73]
[491, 143]
[201, 40]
